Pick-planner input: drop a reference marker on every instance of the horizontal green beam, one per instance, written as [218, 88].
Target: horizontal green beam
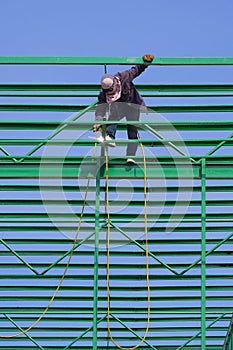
[124, 337]
[120, 160]
[159, 319]
[78, 108]
[85, 125]
[149, 142]
[57, 241]
[30, 170]
[103, 347]
[154, 329]
[95, 94]
[220, 187]
[125, 299]
[42, 218]
[118, 310]
[124, 203]
[104, 340]
[160, 88]
[21, 170]
[211, 275]
[169, 313]
[217, 265]
[27, 288]
[160, 253]
[89, 60]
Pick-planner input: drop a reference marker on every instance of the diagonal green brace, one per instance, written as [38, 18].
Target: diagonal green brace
[67, 253]
[171, 144]
[132, 331]
[85, 332]
[55, 133]
[21, 330]
[216, 148]
[228, 339]
[199, 333]
[144, 249]
[19, 257]
[203, 254]
[208, 253]
[96, 258]
[7, 154]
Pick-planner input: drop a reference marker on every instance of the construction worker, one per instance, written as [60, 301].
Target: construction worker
[119, 88]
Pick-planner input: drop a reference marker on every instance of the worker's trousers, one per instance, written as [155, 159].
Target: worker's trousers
[132, 114]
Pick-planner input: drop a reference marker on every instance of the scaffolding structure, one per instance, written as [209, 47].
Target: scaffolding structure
[45, 160]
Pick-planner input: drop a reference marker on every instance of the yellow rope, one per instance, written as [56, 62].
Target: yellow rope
[108, 262]
[64, 273]
[108, 258]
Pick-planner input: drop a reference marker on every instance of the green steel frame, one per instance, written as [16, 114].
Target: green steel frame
[190, 270]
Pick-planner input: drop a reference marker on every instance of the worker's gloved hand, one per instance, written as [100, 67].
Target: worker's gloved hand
[96, 127]
[148, 57]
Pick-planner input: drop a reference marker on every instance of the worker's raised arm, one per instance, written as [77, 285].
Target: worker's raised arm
[135, 71]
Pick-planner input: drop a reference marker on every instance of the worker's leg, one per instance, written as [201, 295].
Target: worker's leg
[116, 113]
[132, 115]
[111, 128]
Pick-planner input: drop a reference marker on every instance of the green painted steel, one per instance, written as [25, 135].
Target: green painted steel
[210, 89]
[96, 258]
[42, 195]
[117, 60]
[203, 254]
[79, 108]
[228, 340]
[179, 125]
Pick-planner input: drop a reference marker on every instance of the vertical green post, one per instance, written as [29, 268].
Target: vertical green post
[203, 254]
[96, 255]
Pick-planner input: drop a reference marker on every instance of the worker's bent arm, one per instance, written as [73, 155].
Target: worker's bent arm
[133, 72]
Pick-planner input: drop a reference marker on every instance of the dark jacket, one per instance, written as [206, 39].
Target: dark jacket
[128, 91]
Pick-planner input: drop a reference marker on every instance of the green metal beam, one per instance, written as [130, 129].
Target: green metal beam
[18, 256]
[203, 254]
[132, 331]
[26, 334]
[57, 131]
[159, 88]
[78, 108]
[85, 332]
[149, 142]
[85, 125]
[200, 333]
[96, 259]
[228, 344]
[87, 60]
[30, 170]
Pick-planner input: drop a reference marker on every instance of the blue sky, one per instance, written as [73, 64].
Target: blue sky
[120, 28]
[166, 28]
